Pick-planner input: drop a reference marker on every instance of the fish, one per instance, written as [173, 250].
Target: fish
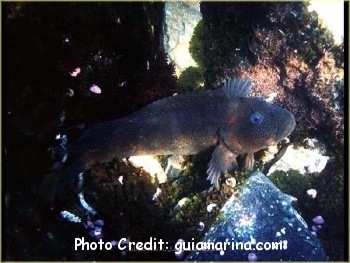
[225, 119]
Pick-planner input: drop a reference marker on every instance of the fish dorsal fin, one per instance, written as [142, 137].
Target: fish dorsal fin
[236, 88]
[185, 101]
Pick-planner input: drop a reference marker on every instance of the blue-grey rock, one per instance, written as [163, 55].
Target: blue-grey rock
[174, 167]
[260, 216]
[180, 20]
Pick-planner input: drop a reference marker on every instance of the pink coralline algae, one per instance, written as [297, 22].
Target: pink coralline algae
[75, 72]
[252, 257]
[95, 89]
[201, 226]
[316, 228]
[318, 220]
[179, 253]
[156, 195]
[120, 179]
[95, 228]
[312, 193]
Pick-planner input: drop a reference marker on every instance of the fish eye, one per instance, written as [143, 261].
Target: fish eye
[256, 118]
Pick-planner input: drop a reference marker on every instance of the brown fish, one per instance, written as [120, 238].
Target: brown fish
[187, 124]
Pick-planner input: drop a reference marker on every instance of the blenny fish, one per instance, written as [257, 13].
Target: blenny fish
[187, 124]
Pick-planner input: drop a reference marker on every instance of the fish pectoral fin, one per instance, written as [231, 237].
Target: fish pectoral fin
[249, 162]
[221, 161]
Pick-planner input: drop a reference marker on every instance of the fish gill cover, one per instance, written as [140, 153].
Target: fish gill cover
[80, 63]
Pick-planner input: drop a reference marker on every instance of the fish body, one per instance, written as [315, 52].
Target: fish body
[187, 124]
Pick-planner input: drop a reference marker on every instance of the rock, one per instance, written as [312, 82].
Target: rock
[304, 160]
[180, 21]
[261, 213]
[151, 165]
[174, 167]
[331, 14]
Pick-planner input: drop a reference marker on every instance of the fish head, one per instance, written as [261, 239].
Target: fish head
[256, 124]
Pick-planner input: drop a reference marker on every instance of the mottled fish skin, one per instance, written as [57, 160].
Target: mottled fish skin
[188, 124]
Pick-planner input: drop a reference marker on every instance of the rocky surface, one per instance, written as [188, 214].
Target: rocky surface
[306, 161]
[260, 212]
[180, 20]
